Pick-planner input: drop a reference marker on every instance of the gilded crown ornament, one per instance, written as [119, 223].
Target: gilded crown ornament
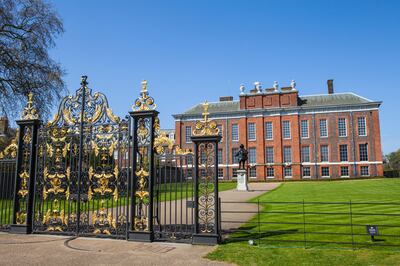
[30, 111]
[144, 102]
[206, 127]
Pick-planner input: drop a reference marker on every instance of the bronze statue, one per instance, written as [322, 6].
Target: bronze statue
[242, 156]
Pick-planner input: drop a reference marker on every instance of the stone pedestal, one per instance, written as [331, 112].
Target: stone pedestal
[242, 180]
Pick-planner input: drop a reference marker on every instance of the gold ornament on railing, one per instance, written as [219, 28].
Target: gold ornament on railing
[10, 152]
[144, 102]
[206, 127]
[30, 111]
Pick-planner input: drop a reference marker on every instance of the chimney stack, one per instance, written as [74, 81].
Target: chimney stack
[330, 86]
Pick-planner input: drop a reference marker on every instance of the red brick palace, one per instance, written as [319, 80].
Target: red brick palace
[288, 136]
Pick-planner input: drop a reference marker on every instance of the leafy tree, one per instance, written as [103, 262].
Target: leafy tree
[28, 29]
[393, 160]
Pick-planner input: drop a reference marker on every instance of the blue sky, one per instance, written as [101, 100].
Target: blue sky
[191, 51]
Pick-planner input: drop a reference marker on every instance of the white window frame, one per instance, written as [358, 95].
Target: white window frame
[329, 172]
[255, 155]
[361, 171]
[291, 154]
[188, 138]
[326, 128]
[365, 126]
[234, 151]
[237, 132]
[348, 171]
[345, 127]
[273, 171]
[359, 152]
[340, 152]
[283, 130]
[251, 172]
[266, 154]
[291, 172]
[221, 170]
[272, 130]
[222, 156]
[301, 154]
[301, 129]
[302, 172]
[320, 150]
[248, 131]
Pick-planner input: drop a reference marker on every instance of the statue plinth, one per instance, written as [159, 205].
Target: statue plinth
[242, 180]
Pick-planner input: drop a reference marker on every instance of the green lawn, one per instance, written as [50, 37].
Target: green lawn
[270, 249]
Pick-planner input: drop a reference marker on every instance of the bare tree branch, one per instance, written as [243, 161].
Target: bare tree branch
[28, 29]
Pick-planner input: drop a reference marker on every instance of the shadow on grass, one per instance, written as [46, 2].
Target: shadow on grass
[243, 234]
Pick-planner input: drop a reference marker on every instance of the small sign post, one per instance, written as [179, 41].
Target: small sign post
[372, 230]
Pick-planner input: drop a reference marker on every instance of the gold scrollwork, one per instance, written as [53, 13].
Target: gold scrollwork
[54, 219]
[206, 200]
[21, 217]
[11, 150]
[23, 190]
[206, 127]
[103, 220]
[144, 102]
[69, 110]
[30, 111]
[141, 220]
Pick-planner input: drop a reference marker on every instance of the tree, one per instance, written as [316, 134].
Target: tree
[393, 160]
[28, 29]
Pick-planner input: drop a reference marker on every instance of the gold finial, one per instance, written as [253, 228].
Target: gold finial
[30, 111]
[144, 102]
[206, 127]
[144, 86]
[205, 111]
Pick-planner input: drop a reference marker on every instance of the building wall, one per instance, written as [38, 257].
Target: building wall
[296, 142]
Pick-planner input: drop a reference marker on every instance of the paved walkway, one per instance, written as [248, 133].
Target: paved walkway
[238, 204]
[58, 250]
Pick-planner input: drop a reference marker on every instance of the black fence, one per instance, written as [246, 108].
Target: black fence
[312, 224]
[7, 182]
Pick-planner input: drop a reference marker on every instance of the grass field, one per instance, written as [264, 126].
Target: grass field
[270, 250]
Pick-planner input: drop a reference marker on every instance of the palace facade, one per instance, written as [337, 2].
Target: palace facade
[290, 136]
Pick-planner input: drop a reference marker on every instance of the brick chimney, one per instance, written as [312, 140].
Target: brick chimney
[330, 86]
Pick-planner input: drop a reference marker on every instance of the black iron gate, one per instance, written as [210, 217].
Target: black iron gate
[174, 198]
[81, 183]
[7, 183]
[89, 173]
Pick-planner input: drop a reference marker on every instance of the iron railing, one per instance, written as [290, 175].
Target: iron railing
[7, 183]
[311, 224]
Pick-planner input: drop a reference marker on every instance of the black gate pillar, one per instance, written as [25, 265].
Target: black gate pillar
[25, 170]
[206, 214]
[142, 167]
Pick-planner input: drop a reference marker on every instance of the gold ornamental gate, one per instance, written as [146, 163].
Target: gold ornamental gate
[81, 183]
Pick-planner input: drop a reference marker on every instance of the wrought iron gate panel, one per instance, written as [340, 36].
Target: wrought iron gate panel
[174, 198]
[7, 183]
[81, 179]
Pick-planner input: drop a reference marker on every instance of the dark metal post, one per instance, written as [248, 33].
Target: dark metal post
[304, 226]
[196, 190]
[206, 228]
[351, 224]
[141, 215]
[82, 123]
[258, 221]
[22, 219]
